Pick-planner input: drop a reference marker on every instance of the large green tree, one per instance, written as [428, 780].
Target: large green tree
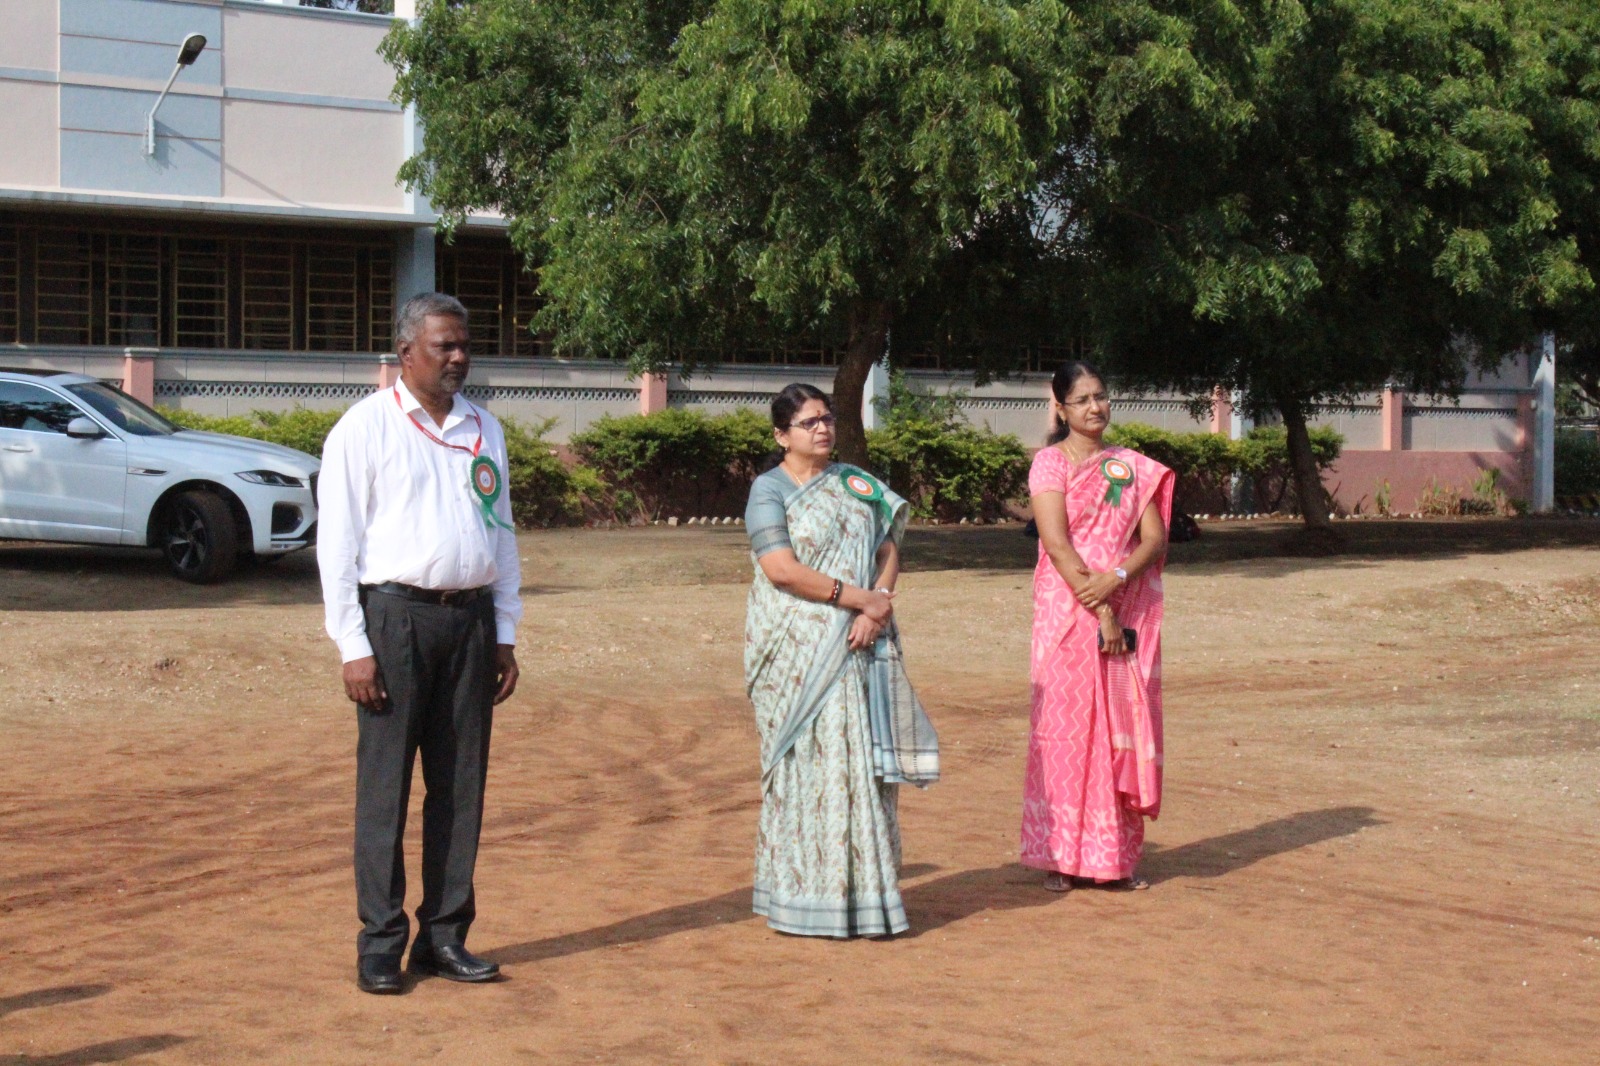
[695, 176]
[1306, 199]
[1567, 120]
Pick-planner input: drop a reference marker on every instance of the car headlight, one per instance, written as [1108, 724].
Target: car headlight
[271, 477]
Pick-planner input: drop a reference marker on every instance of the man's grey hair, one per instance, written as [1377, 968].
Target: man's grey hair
[418, 308]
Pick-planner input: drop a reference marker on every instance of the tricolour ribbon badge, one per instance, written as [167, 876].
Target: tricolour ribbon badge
[1119, 475]
[486, 484]
[867, 491]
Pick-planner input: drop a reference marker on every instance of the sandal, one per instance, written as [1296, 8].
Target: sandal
[1054, 882]
[1128, 884]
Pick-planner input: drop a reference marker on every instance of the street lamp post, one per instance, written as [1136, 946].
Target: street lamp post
[192, 46]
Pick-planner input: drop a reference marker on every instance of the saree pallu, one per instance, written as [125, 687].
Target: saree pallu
[840, 729]
[1094, 749]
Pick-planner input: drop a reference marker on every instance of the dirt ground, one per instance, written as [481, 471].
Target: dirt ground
[1378, 845]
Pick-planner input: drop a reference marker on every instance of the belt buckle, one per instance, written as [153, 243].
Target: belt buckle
[449, 596]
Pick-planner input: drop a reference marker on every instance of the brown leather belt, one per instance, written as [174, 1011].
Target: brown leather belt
[447, 597]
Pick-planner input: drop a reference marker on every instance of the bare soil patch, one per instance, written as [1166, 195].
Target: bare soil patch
[1379, 841]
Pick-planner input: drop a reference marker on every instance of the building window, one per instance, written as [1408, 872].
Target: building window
[10, 285]
[500, 294]
[331, 298]
[133, 289]
[266, 272]
[207, 287]
[200, 270]
[64, 296]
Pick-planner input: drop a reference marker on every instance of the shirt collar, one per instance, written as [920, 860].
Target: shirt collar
[460, 409]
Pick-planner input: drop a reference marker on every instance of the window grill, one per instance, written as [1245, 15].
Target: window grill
[133, 289]
[331, 305]
[200, 293]
[64, 299]
[10, 285]
[475, 275]
[266, 282]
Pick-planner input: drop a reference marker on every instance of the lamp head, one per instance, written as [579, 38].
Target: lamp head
[193, 45]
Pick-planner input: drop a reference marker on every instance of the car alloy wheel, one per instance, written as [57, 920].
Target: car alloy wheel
[199, 537]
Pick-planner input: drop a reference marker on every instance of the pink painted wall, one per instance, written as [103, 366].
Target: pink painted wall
[1354, 479]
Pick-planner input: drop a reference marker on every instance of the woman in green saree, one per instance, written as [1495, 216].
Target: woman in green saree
[840, 726]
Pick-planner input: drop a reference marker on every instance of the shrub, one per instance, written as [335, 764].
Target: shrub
[1577, 464]
[943, 467]
[950, 472]
[675, 460]
[302, 428]
[544, 491]
[1202, 463]
[1263, 456]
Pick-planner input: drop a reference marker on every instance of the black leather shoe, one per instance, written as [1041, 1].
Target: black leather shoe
[378, 974]
[453, 963]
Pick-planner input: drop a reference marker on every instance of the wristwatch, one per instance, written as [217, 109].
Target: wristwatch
[1122, 575]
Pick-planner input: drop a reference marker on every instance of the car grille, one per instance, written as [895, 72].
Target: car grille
[314, 487]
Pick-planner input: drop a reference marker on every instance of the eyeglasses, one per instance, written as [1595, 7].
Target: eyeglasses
[1084, 401]
[810, 424]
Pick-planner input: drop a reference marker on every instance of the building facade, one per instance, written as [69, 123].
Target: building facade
[254, 259]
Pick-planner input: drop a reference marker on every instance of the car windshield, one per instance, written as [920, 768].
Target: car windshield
[122, 410]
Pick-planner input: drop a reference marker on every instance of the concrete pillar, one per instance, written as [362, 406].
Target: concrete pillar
[139, 374]
[1221, 411]
[1394, 419]
[388, 370]
[652, 393]
[414, 268]
[1544, 428]
[1241, 492]
[876, 388]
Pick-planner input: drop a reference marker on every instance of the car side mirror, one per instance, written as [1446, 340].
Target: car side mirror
[84, 429]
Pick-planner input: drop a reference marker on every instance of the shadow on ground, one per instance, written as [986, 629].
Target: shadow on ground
[942, 901]
[50, 997]
[106, 1051]
[1222, 855]
[1008, 548]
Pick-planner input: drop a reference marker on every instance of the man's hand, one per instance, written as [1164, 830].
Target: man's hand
[505, 664]
[363, 685]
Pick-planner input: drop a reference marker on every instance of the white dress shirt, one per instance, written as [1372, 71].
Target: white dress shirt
[393, 505]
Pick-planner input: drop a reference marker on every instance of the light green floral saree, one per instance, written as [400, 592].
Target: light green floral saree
[840, 729]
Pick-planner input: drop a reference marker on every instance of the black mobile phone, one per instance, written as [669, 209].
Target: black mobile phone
[1130, 637]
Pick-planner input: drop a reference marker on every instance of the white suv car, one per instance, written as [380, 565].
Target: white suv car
[85, 463]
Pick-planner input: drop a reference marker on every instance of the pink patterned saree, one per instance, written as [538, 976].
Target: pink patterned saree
[1094, 749]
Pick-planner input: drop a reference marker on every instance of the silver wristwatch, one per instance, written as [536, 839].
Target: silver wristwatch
[1122, 575]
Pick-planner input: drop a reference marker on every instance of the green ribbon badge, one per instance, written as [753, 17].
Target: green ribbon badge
[1118, 475]
[867, 491]
[486, 483]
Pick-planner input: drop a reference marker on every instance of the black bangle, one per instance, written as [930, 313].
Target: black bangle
[838, 587]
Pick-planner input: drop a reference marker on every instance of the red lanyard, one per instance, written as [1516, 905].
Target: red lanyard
[426, 432]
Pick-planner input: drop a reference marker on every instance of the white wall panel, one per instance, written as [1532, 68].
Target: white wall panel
[29, 37]
[287, 52]
[311, 155]
[33, 160]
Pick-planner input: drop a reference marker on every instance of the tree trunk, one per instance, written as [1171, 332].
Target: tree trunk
[1303, 464]
[869, 333]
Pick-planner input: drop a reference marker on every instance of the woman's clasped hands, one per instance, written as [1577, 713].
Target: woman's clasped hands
[871, 619]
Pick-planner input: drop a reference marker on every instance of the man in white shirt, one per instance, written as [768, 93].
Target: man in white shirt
[420, 580]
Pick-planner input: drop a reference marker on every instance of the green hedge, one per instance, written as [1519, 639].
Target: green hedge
[1577, 464]
[543, 490]
[949, 472]
[675, 461]
[301, 428]
[679, 462]
[1204, 463]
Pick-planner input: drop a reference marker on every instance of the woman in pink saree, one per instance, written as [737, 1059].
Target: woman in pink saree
[1094, 749]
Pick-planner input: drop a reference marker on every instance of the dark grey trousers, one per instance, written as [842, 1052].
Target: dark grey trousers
[437, 663]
